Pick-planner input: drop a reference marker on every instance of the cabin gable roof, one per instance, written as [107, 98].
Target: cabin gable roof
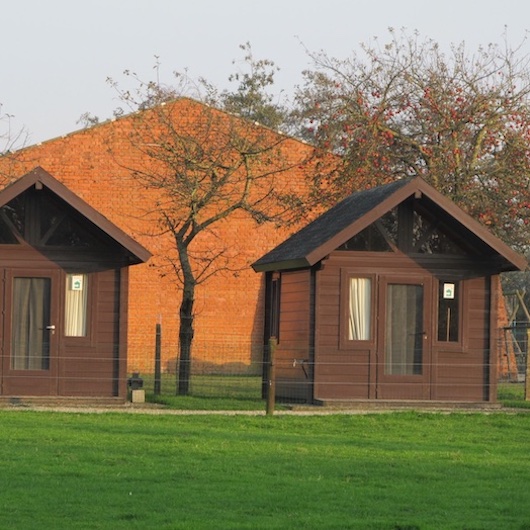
[361, 209]
[40, 178]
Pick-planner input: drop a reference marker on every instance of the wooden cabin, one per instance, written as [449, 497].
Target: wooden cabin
[64, 293]
[389, 295]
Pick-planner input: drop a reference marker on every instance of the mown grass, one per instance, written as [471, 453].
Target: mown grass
[512, 395]
[381, 471]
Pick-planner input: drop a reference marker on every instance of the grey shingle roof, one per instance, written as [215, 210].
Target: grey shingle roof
[323, 228]
[333, 228]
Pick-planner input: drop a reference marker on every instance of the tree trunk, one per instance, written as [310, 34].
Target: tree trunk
[185, 340]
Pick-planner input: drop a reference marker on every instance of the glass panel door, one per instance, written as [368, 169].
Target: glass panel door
[30, 325]
[404, 338]
[30, 363]
[404, 329]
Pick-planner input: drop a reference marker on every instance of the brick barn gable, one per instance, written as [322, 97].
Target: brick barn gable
[95, 164]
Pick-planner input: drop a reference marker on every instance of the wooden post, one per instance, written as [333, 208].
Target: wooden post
[271, 390]
[527, 373]
[158, 362]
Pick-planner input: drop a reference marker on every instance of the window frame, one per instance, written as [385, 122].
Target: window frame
[450, 344]
[87, 339]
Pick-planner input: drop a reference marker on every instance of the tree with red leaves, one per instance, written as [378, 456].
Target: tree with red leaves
[406, 108]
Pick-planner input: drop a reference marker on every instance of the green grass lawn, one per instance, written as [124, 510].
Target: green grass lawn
[237, 392]
[209, 392]
[512, 395]
[379, 471]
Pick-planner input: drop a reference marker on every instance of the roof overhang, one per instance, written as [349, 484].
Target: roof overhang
[418, 188]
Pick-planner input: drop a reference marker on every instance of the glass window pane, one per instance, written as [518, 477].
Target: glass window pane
[448, 312]
[76, 304]
[360, 309]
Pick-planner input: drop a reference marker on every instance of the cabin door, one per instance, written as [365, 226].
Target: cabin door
[29, 347]
[404, 353]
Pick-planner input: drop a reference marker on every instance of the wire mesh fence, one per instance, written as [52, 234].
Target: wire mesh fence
[512, 349]
[452, 375]
[240, 370]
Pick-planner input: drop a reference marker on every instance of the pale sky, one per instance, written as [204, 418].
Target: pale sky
[57, 54]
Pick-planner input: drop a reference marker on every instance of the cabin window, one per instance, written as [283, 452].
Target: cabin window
[360, 309]
[448, 311]
[76, 305]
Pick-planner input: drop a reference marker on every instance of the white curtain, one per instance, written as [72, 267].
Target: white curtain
[76, 307]
[360, 308]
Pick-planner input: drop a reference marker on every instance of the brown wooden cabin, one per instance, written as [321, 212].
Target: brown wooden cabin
[64, 293]
[389, 295]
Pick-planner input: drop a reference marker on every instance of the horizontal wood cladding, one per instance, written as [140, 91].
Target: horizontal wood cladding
[455, 371]
[89, 366]
[22, 256]
[327, 313]
[342, 375]
[461, 374]
[294, 347]
[396, 262]
[294, 309]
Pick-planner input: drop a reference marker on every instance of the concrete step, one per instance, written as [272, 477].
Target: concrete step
[398, 404]
[61, 401]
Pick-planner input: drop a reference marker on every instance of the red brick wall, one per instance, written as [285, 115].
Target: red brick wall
[94, 164]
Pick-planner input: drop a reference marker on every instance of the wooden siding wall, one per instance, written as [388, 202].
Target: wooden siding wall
[339, 373]
[460, 372]
[293, 355]
[90, 366]
[86, 366]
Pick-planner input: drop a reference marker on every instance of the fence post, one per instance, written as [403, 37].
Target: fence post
[271, 391]
[527, 371]
[158, 361]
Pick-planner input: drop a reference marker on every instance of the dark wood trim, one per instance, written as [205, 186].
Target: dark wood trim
[493, 337]
[121, 360]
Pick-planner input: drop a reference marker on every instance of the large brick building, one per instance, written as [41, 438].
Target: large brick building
[96, 164]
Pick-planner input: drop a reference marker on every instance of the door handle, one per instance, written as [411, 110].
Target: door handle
[51, 328]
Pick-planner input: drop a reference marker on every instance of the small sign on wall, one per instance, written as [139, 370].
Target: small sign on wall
[449, 291]
[76, 282]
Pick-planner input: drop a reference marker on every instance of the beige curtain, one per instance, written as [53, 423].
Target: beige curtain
[76, 307]
[360, 308]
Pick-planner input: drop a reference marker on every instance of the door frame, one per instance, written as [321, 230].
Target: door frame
[412, 387]
[31, 382]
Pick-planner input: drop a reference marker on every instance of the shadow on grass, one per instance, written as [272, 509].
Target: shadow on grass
[196, 402]
[209, 392]
[230, 392]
